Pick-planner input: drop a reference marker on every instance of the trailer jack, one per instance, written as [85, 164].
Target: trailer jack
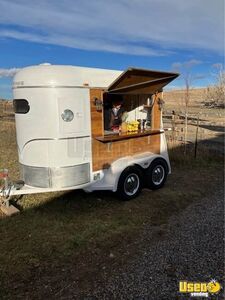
[6, 188]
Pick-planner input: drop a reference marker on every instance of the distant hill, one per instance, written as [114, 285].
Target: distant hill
[6, 107]
[177, 97]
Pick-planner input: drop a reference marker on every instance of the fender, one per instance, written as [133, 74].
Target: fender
[112, 174]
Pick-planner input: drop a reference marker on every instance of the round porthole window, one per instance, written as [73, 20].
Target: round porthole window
[67, 115]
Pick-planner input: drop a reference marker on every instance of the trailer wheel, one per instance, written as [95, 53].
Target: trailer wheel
[130, 183]
[156, 174]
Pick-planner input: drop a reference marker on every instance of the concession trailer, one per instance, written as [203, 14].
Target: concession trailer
[64, 142]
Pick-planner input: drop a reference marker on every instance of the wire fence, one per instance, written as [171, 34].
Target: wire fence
[205, 131]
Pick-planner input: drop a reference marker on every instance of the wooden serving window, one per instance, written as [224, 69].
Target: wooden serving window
[131, 109]
[138, 117]
[140, 91]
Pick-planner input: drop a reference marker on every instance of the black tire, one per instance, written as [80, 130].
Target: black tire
[130, 183]
[156, 174]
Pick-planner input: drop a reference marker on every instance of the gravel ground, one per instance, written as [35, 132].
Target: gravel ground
[189, 247]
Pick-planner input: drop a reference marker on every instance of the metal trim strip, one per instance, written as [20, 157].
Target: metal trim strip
[55, 139]
[56, 86]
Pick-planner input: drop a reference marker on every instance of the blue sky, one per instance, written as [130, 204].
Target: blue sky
[156, 34]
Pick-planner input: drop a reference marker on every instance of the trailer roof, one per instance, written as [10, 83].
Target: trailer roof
[131, 81]
[47, 75]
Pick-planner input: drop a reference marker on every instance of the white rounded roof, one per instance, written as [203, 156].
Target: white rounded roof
[64, 76]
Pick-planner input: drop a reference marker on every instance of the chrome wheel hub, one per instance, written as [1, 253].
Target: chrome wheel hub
[131, 184]
[158, 175]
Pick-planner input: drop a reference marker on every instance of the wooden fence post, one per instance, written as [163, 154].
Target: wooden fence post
[196, 137]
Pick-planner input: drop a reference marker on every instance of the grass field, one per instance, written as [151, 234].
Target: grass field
[77, 233]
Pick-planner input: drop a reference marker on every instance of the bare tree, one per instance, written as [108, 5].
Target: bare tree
[215, 96]
[187, 80]
[186, 71]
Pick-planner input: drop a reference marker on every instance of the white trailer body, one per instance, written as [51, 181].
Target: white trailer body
[56, 127]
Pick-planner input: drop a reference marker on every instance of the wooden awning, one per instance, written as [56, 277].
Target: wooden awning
[141, 81]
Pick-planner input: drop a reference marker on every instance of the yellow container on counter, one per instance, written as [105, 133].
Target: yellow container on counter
[132, 126]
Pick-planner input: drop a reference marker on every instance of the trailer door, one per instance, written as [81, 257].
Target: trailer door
[74, 113]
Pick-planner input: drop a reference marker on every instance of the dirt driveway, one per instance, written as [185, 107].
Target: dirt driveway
[189, 247]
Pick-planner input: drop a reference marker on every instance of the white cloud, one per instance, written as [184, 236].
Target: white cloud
[126, 26]
[84, 43]
[186, 65]
[187, 75]
[8, 72]
[218, 66]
